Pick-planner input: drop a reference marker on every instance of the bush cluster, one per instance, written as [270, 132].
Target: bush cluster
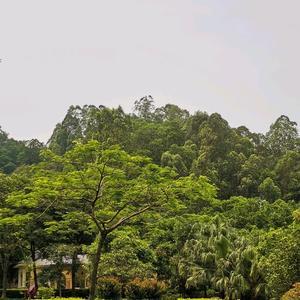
[66, 298]
[77, 293]
[111, 287]
[145, 289]
[45, 293]
[292, 294]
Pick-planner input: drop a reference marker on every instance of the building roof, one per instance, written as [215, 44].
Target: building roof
[82, 258]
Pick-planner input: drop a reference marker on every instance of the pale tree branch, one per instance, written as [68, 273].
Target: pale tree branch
[48, 207]
[100, 183]
[116, 214]
[124, 219]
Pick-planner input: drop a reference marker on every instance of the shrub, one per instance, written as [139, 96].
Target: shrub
[109, 287]
[68, 298]
[77, 293]
[199, 299]
[16, 293]
[145, 289]
[45, 293]
[292, 294]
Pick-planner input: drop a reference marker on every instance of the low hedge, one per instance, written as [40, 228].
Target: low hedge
[66, 293]
[58, 298]
[16, 293]
[77, 293]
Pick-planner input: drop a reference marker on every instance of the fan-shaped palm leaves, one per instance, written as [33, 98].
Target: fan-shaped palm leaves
[215, 257]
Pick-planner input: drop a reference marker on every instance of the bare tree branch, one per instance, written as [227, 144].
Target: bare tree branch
[116, 214]
[123, 220]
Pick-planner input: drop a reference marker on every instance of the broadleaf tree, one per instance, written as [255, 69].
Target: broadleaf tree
[107, 184]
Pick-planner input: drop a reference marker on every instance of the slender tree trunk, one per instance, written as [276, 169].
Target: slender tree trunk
[205, 291]
[59, 285]
[4, 275]
[32, 250]
[74, 268]
[96, 261]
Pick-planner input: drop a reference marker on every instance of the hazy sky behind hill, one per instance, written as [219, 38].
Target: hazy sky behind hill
[238, 58]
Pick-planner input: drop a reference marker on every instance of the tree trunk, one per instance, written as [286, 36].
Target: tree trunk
[205, 291]
[253, 295]
[74, 268]
[96, 261]
[59, 285]
[32, 250]
[4, 275]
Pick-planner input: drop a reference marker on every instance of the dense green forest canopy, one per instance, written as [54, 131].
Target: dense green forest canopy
[161, 198]
[16, 153]
[236, 160]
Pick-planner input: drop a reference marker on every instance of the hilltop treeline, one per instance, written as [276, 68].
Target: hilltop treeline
[15, 153]
[236, 160]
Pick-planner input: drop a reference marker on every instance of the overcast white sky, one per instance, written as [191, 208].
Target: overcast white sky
[238, 58]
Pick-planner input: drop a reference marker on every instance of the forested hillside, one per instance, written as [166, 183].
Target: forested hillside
[16, 153]
[164, 202]
[237, 161]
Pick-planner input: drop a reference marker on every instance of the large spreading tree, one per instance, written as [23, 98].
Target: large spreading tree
[108, 186]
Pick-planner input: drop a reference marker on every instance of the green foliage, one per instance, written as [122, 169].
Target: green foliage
[16, 153]
[287, 172]
[145, 289]
[160, 195]
[109, 287]
[66, 298]
[255, 212]
[268, 190]
[282, 136]
[280, 258]
[144, 107]
[237, 161]
[198, 298]
[215, 256]
[45, 293]
[12, 230]
[128, 256]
